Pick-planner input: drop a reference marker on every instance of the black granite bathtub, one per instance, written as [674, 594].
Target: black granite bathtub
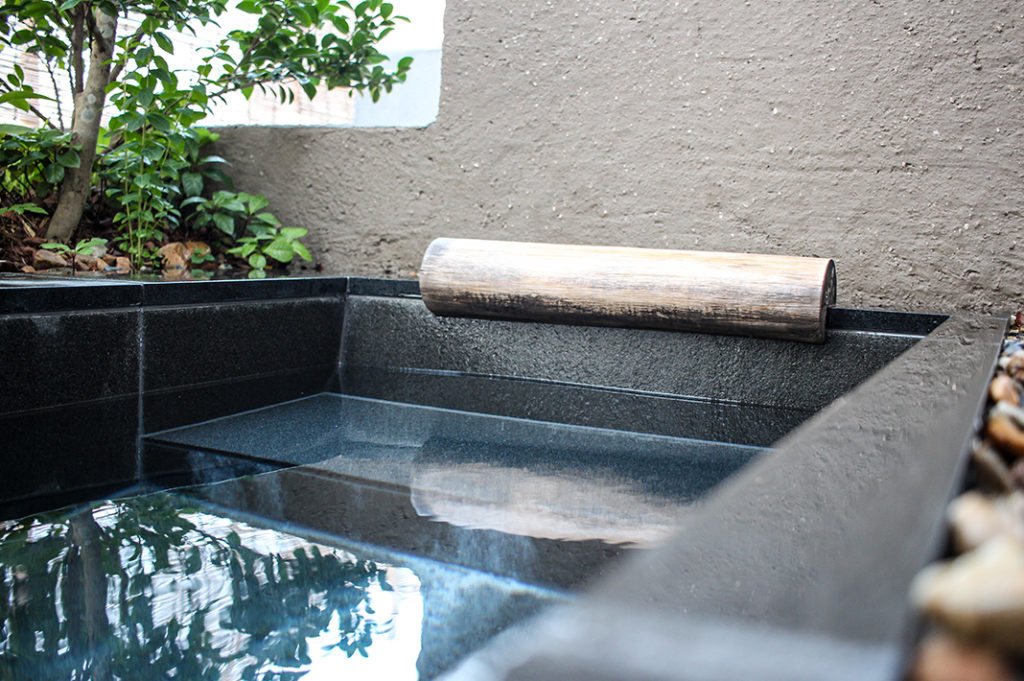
[724, 507]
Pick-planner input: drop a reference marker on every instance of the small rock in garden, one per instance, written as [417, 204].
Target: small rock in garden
[1005, 434]
[979, 595]
[1015, 413]
[1017, 474]
[975, 519]
[198, 248]
[44, 260]
[91, 262]
[1004, 389]
[174, 255]
[110, 260]
[1012, 346]
[1015, 365]
[944, 658]
[28, 269]
[123, 263]
[990, 468]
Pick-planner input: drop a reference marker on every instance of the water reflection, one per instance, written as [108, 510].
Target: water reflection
[149, 587]
[547, 505]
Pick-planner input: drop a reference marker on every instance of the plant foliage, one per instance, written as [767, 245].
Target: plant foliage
[146, 162]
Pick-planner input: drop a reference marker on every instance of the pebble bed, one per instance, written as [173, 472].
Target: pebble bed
[974, 602]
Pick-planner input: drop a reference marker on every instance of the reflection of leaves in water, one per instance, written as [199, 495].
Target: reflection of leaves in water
[123, 591]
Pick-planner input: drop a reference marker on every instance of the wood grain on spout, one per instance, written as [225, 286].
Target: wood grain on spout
[730, 293]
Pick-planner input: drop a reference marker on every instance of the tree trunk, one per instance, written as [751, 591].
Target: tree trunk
[93, 623]
[85, 128]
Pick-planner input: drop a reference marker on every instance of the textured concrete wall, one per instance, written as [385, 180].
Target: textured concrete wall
[886, 134]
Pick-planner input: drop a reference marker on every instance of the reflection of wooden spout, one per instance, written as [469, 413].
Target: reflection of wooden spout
[732, 293]
[545, 506]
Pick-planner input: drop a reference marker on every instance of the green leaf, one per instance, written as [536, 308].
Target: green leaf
[18, 97]
[304, 15]
[69, 159]
[280, 249]
[268, 218]
[302, 251]
[405, 63]
[250, 7]
[217, 175]
[192, 183]
[257, 202]
[22, 208]
[225, 223]
[257, 261]
[164, 42]
[9, 129]
[159, 121]
[54, 173]
[90, 246]
[292, 233]
[192, 200]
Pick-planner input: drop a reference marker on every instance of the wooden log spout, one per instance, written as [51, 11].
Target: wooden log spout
[768, 296]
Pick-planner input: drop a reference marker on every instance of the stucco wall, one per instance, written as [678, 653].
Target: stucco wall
[886, 134]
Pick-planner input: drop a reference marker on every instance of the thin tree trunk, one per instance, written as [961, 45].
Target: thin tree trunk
[86, 534]
[85, 128]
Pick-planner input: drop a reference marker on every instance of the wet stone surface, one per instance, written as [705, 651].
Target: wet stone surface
[164, 585]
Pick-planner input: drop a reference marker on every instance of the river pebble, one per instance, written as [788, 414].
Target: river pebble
[975, 601]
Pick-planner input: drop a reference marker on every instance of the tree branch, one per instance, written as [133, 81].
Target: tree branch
[56, 93]
[77, 38]
[95, 35]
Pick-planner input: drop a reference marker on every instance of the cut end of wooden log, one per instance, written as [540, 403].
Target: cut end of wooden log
[769, 296]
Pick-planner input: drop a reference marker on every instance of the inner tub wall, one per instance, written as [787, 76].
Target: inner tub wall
[725, 388]
[90, 365]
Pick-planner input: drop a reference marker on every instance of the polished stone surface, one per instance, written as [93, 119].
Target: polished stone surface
[813, 543]
[550, 502]
[67, 453]
[205, 361]
[429, 448]
[41, 293]
[544, 400]
[205, 292]
[208, 592]
[823, 537]
[64, 358]
[400, 333]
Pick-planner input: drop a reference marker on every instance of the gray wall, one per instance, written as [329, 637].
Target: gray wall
[884, 133]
